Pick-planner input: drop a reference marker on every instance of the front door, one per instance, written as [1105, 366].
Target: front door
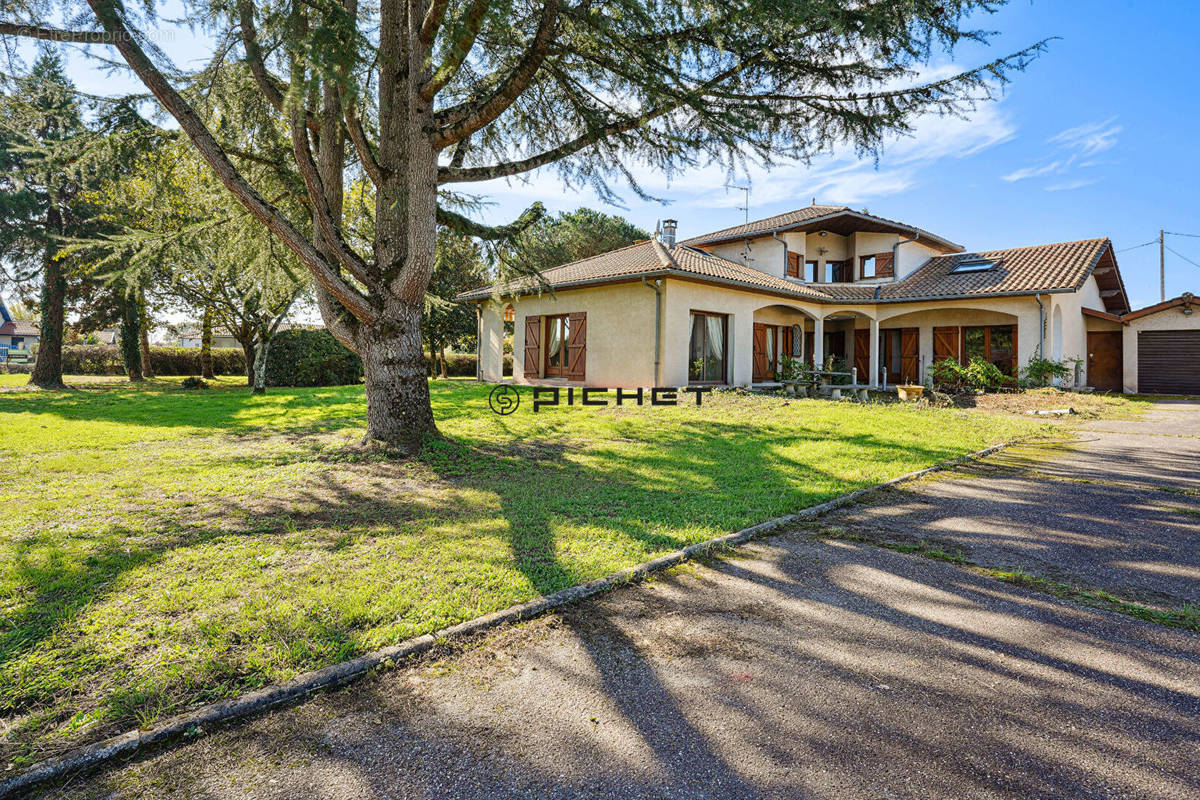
[762, 356]
[1105, 362]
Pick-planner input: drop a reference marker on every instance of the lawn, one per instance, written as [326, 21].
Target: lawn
[161, 548]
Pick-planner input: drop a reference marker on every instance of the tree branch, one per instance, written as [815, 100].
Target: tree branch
[460, 48]
[366, 153]
[433, 20]
[465, 120]
[469, 227]
[451, 174]
[57, 34]
[272, 88]
[211, 152]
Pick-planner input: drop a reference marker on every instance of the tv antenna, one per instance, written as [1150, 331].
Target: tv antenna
[745, 207]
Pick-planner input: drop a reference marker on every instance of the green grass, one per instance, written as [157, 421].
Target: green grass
[161, 548]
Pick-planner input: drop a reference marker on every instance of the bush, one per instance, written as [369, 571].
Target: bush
[303, 357]
[95, 359]
[193, 383]
[979, 375]
[1043, 371]
[462, 365]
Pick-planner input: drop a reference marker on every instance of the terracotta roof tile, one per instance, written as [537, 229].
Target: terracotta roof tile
[1022, 270]
[767, 224]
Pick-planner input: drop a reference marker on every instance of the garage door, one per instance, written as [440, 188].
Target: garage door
[1169, 362]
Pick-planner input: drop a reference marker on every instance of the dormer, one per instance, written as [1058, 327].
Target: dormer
[827, 244]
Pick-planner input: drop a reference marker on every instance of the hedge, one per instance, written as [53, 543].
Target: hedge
[304, 357]
[105, 359]
[462, 365]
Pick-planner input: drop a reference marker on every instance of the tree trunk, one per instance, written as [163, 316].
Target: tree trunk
[261, 349]
[130, 337]
[398, 410]
[206, 334]
[144, 337]
[47, 372]
[442, 360]
[248, 352]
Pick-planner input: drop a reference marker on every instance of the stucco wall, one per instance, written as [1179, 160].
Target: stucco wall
[1166, 320]
[620, 331]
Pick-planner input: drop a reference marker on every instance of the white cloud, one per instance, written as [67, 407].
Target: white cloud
[1075, 146]
[1067, 186]
[1087, 140]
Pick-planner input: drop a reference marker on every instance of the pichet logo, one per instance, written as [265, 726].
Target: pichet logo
[504, 399]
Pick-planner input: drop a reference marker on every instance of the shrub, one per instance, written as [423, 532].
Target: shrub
[95, 359]
[1043, 371]
[462, 365]
[193, 383]
[304, 357]
[950, 376]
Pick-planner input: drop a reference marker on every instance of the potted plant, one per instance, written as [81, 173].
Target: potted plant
[909, 392]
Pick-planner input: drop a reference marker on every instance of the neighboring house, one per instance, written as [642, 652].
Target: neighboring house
[16, 334]
[189, 336]
[885, 297]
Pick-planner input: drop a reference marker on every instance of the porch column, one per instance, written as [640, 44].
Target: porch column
[491, 342]
[818, 342]
[873, 381]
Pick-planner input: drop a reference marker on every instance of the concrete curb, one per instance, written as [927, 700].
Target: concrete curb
[346, 672]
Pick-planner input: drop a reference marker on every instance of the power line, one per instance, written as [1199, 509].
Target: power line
[1136, 246]
[1185, 258]
[1177, 233]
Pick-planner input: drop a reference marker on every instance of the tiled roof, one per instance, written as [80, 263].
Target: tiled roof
[20, 327]
[770, 223]
[648, 258]
[1022, 270]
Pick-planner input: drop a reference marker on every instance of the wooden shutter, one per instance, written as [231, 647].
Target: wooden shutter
[862, 354]
[577, 346]
[910, 355]
[883, 265]
[762, 370]
[533, 345]
[793, 265]
[946, 344]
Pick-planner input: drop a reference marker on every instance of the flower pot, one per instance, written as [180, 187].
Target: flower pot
[909, 393]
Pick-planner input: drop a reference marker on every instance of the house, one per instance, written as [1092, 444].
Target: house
[16, 334]
[189, 336]
[885, 298]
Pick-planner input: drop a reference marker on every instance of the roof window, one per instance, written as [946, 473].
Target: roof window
[973, 265]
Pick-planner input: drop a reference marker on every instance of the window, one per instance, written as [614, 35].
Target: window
[706, 356]
[838, 272]
[973, 265]
[558, 331]
[996, 343]
[810, 271]
[866, 267]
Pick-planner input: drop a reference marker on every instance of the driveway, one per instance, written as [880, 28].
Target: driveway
[802, 667]
[1116, 508]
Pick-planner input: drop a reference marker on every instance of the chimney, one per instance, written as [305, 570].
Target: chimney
[668, 232]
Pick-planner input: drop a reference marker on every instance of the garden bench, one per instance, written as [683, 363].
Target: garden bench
[819, 381]
[18, 357]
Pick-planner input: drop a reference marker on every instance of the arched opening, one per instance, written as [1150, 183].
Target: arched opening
[507, 360]
[958, 333]
[781, 335]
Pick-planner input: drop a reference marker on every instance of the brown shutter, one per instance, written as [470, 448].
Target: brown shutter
[577, 346]
[533, 344]
[910, 355]
[862, 354]
[793, 265]
[761, 367]
[945, 344]
[883, 265]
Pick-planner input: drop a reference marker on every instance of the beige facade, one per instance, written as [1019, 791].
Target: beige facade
[1169, 319]
[621, 327]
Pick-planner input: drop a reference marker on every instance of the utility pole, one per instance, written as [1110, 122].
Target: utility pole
[1162, 266]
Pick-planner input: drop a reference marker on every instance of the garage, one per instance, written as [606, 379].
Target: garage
[1162, 348]
[1169, 361]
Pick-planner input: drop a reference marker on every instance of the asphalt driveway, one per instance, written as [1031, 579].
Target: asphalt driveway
[800, 668]
[1116, 508]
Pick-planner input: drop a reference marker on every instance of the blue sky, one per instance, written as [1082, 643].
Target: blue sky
[1097, 138]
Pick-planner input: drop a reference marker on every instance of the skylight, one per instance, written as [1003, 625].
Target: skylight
[973, 265]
